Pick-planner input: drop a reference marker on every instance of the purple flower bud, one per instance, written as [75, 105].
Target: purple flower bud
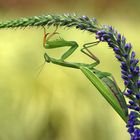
[124, 66]
[135, 73]
[119, 36]
[138, 96]
[131, 129]
[137, 133]
[130, 107]
[131, 68]
[110, 27]
[111, 44]
[133, 54]
[123, 39]
[126, 82]
[103, 32]
[118, 57]
[108, 40]
[130, 76]
[127, 94]
[135, 61]
[124, 72]
[131, 61]
[116, 50]
[127, 46]
[98, 33]
[138, 83]
[125, 55]
[110, 34]
[137, 68]
[129, 91]
[102, 39]
[123, 63]
[137, 108]
[124, 77]
[131, 102]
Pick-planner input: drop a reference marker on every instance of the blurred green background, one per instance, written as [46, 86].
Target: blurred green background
[60, 103]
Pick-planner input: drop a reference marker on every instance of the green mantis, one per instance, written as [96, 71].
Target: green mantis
[103, 81]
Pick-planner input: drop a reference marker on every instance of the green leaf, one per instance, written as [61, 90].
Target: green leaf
[104, 90]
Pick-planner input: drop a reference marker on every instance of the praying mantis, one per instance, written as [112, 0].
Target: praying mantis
[103, 81]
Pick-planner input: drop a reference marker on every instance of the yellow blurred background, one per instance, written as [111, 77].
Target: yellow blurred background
[59, 103]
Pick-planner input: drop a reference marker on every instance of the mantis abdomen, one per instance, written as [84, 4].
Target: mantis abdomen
[117, 93]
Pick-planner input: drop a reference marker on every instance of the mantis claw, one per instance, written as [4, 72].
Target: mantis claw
[45, 39]
[47, 58]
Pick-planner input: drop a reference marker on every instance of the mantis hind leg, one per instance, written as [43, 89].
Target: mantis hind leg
[87, 52]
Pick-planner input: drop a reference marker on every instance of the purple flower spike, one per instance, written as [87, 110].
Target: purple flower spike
[130, 74]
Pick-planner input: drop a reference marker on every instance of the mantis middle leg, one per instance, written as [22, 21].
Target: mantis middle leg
[88, 52]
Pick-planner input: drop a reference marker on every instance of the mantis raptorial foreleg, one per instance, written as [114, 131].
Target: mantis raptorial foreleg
[58, 44]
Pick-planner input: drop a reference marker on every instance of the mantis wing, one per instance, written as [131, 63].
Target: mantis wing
[104, 90]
